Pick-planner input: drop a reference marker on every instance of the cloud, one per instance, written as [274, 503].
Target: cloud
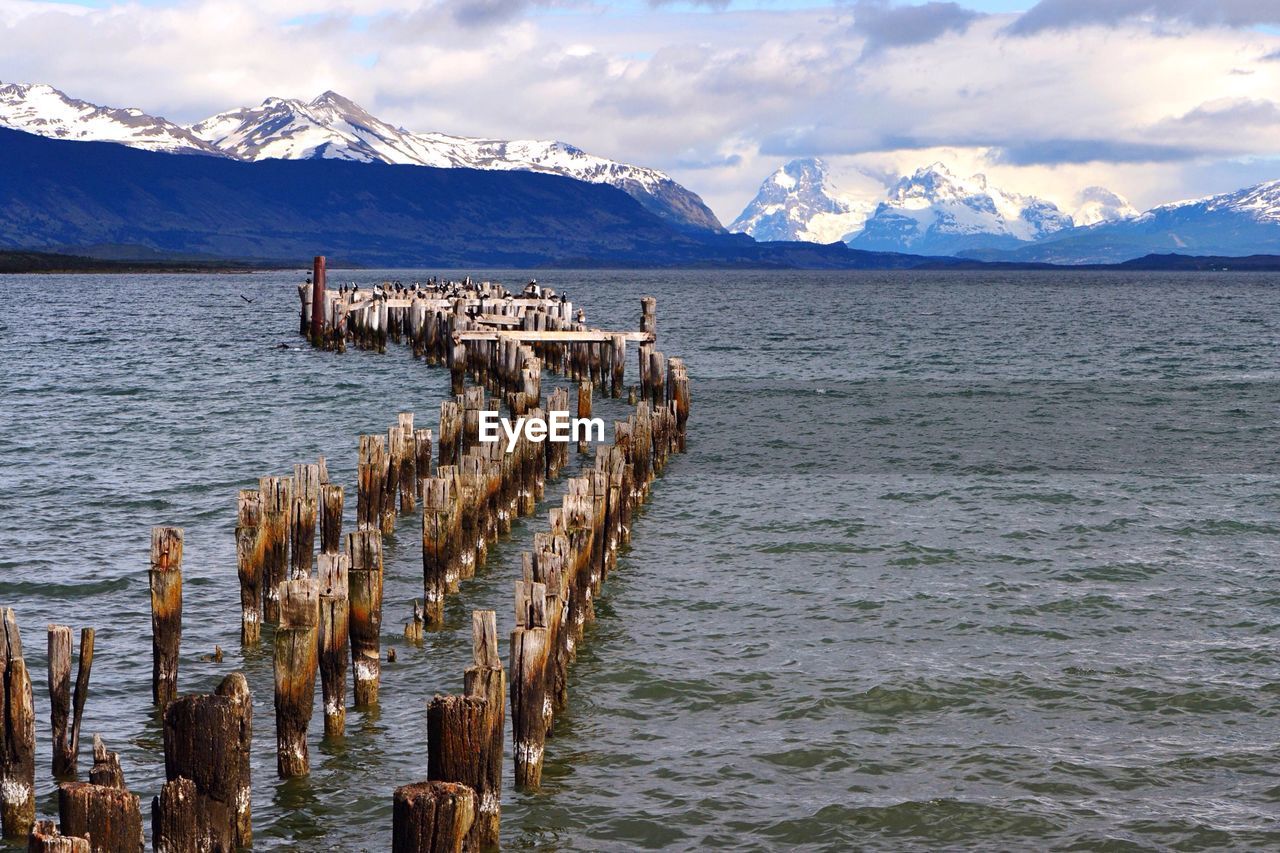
[885, 25]
[1064, 14]
[1057, 151]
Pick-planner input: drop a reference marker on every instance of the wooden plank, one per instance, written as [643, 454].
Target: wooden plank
[544, 335]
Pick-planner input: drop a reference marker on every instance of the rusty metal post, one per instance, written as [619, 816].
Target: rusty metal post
[317, 301]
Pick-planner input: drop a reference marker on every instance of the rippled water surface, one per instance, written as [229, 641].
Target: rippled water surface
[954, 560]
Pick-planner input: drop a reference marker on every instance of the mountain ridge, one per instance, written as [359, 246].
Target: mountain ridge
[332, 126]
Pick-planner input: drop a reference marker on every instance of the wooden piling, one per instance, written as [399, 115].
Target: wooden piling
[206, 803]
[296, 663]
[302, 519]
[251, 560]
[106, 766]
[422, 458]
[18, 757]
[46, 838]
[277, 502]
[317, 300]
[372, 473]
[486, 679]
[331, 498]
[166, 612]
[108, 817]
[334, 580]
[530, 696]
[450, 433]
[64, 714]
[365, 602]
[408, 478]
[432, 817]
[584, 408]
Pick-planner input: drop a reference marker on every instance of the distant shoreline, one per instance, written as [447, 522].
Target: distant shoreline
[28, 263]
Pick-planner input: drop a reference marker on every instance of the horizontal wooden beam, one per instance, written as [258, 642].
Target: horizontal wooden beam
[546, 336]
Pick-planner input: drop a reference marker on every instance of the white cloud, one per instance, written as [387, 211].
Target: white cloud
[719, 99]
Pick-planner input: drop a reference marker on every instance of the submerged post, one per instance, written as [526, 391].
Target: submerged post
[18, 757]
[296, 660]
[364, 591]
[334, 569]
[431, 817]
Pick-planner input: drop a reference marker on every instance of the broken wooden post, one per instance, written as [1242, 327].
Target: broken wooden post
[422, 458]
[45, 838]
[277, 501]
[334, 571]
[441, 529]
[109, 817]
[302, 519]
[391, 480]
[62, 710]
[372, 472]
[486, 679]
[408, 478]
[331, 498]
[584, 410]
[250, 562]
[106, 766]
[413, 628]
[166, 612]
[531, 698]
[432, 817]
[296, 661]
[365, 602]
[205, 804]
[450, 433]
[18, 758]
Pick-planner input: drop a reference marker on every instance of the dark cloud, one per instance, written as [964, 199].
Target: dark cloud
[1064, 14]
[885, 25]
[1229, 113]
[1050, 152]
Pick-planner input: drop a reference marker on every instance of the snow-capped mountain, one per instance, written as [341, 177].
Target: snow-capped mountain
[933, 212]
[1099, 204]
[45, 111]
[801, 202]
[1243, 222]
[334, 127]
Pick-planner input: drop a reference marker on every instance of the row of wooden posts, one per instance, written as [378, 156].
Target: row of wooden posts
[325, 600]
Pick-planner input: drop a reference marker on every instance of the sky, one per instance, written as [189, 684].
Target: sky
[1157, 100]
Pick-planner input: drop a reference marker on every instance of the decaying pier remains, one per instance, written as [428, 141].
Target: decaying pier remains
[319, 589]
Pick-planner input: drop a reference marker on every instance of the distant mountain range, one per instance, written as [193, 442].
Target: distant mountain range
[109, 201]
[933, 212]
[333, 127]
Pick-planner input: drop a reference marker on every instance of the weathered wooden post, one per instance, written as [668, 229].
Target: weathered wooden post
[45, 838]
[106, 766]
[432, 817]
[364, 591]
[422, 462]
[440, 532]
[296, 660]
[391, 479]
[530, 695]
[250, 563]
[302, 519]
[18, 758]
[166, 612]
[317, 301]
[277, 501]
[334, 571]
[62, 709]
[205, 804]
[331, 499]
[372, 473]
[109, 817]
[464, 733]
[408, 477]
[584, 409]
[450, 433]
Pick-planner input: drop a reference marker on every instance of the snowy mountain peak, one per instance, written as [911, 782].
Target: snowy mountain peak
[1099, 204]
[933, 211]
[45, 111]
[333, 126]
[800, 202]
